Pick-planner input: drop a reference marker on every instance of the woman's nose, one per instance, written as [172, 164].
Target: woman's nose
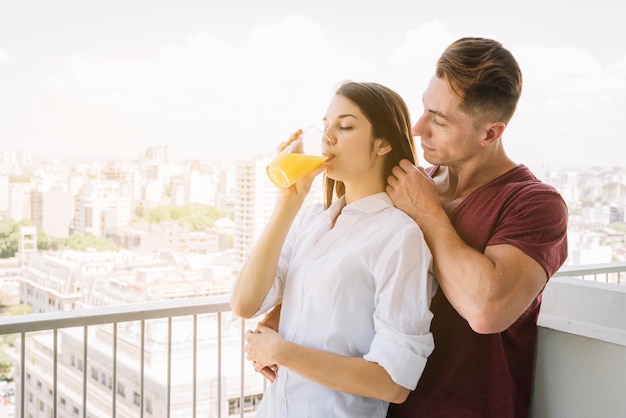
[329, 134]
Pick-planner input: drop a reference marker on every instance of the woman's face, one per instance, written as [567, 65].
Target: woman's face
[353, 156]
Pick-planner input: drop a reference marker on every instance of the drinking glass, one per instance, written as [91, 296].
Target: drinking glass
[299, 158]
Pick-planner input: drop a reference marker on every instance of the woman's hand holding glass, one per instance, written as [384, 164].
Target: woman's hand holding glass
[300, 160]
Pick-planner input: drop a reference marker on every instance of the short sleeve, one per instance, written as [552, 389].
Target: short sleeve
[536, 223]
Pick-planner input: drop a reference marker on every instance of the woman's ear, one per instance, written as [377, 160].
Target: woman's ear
[382, 147]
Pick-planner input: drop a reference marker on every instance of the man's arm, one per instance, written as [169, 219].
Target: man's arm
[489, 290]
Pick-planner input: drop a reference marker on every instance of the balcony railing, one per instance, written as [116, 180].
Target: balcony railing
[183, 358]
[151, 331]
[606, 273]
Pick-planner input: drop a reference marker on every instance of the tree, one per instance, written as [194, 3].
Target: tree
[5, 366]
[83, 242]
[47, 242]
[9, 341]
[8, 238]
[20, 310]
[197, 216]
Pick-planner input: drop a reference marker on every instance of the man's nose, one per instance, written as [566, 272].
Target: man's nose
[418, 129]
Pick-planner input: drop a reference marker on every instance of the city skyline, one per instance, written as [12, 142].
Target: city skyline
[101, 198]
[217, 81]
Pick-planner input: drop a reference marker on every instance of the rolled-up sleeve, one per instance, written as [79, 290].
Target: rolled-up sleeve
[402, 356]
[402, 318]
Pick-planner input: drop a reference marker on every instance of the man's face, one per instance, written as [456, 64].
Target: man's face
[447, 134]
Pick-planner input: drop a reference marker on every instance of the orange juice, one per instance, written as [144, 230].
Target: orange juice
[287, 168]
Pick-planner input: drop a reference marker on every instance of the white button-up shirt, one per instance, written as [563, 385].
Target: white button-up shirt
[361, 288]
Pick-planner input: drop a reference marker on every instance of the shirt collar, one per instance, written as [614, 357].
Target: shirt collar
[369, 204]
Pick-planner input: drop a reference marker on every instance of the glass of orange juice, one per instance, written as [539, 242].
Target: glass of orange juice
[299, 158]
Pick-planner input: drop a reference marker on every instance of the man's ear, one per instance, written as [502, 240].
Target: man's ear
[382, 146]
[493, 131]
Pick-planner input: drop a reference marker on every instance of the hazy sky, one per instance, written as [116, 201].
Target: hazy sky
[216, 79]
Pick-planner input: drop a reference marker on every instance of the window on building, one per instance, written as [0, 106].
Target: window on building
[121, 390]
[250, 403]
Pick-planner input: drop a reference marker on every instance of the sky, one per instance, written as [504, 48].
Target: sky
[233, 78]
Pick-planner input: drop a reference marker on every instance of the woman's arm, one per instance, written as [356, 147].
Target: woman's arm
[271, 320]
[397, 353]
[353, 375]
[259, 270]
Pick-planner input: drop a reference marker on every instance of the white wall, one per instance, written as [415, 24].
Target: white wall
[580, 368]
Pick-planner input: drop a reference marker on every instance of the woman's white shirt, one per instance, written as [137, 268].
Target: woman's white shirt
[362, 289]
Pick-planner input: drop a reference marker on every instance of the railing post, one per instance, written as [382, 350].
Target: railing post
[195, 363]
[22, 374]
[55, 371]
[142, 366]
[169, 367]
[219, 365]
[242, 364]
[85, 343]
[114, 367]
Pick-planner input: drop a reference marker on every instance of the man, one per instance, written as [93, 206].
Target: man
[496, 233]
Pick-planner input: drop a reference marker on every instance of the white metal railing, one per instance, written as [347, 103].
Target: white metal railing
[27, 325]
[606, 273]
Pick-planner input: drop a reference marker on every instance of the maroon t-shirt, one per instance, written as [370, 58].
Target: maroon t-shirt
[474, 375]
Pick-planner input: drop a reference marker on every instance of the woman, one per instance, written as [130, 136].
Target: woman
[353, 275]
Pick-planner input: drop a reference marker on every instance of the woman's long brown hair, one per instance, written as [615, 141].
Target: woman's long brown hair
[390, 119]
